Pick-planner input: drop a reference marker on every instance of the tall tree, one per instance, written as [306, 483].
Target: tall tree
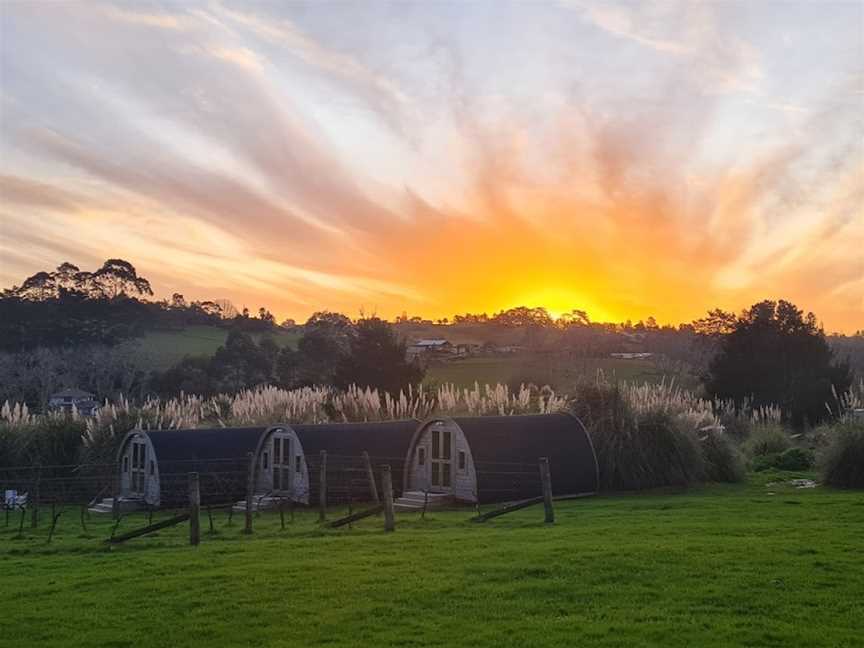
[118, 278]
[377, 359]
[775, 355]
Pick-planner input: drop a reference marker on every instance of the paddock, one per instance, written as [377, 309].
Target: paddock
[495, 458]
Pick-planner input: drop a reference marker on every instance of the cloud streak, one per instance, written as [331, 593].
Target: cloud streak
[222, 151]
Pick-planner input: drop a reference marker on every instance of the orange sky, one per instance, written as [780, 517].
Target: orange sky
[625, 159]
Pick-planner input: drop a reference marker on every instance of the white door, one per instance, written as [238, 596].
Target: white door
[138, 473]
[282, 459]
[441, 461]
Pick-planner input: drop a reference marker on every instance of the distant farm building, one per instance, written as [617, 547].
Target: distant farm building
[78, 400]
[430, 348]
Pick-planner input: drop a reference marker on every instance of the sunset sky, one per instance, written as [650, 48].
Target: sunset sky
[627, 159]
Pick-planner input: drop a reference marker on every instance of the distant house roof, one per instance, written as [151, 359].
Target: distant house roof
[73, 393]
[430, 343]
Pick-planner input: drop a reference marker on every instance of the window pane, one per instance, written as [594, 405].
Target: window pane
[446, 452]
[436, 444]
[445, 481]
[298, 465]
[461, 460]
[266, 461]
[436, 477]
[152, 467]
[277, 450]
[421, 456]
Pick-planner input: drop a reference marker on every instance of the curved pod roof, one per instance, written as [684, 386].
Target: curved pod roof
[504, 446]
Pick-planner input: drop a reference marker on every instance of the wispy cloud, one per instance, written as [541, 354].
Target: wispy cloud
[220, 149]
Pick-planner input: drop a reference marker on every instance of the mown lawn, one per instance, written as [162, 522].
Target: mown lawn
[720, 566]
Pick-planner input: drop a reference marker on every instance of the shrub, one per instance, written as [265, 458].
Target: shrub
[723, 460]
[795, 459]
[766, 440]
[842, 461]
[791, 459]
[641, 450]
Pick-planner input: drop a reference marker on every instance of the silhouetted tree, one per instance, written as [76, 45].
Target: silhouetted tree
[377, 359]
[776, 355]
[241, 363]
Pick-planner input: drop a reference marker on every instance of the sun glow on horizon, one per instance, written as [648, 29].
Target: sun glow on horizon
[420, 162]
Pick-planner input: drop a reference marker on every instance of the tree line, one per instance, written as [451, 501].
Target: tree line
[74, 327]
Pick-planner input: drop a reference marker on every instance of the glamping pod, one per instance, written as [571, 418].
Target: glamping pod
[154, 465]
[495, 458]
[385, 441]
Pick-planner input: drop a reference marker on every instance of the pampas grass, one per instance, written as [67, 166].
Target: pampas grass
[841, 462]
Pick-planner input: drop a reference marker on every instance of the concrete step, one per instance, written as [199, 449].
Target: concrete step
[126, 504]
[413, 501]
[266, 503]
[421, 495]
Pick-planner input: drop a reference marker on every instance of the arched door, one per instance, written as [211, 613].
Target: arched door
[441, 461]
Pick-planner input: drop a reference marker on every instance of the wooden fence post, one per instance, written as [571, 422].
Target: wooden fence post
[387, 487]
[194, 510]
[322, 488]
[34, 512]
[546, 478]
[118, 482]
[250, 493]
[370, 475]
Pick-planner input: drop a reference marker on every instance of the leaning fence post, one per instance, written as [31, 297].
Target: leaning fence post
[370, 475]
[387, 487]
[546, 478]
[322, 488]
[194, 509]
[250, 493]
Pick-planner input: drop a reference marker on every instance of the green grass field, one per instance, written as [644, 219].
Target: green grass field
[164, 348]
[718, 566]
[545, 369]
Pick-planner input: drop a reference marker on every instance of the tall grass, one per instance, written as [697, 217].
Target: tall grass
[841, 462]
[645, 436]
[267, 405]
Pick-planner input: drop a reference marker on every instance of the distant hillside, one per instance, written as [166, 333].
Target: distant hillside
[165, 348]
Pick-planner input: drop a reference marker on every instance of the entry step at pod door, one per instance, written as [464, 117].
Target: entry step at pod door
[414, 501]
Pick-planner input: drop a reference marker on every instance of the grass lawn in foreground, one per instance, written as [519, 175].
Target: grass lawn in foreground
[719, 566]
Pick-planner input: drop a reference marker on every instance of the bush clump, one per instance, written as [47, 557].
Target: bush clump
[723, 460]
[842, 461]
[637, 450]
[766, 440]
[793, 459]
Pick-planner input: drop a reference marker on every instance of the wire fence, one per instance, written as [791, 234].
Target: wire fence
[35, 496]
